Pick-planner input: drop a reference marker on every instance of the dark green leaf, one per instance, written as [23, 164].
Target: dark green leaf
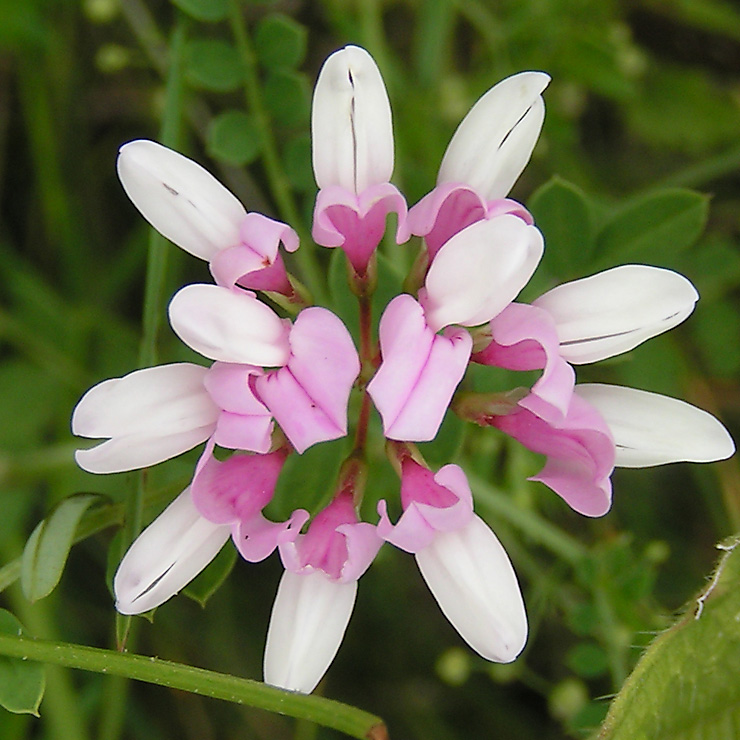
[287, 96]
[587, 659]
[687, 684]
[22, 682]
[565, 217]
[214, 65]
[654, 228]
[209, 580]
[308, 481]
[715, 328]
[234, 138]
[204, 10]
[280, 42]
[46, 551]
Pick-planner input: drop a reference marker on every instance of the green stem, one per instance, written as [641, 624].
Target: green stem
[57, 210]
[609, 628]
[545, 534]
[350, 720]
[278, 181]
[156, 272]
[62, 711]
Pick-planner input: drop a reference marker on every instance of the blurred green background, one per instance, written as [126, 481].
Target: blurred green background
[645, 95]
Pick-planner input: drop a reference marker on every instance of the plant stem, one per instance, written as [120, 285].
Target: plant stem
[350, 720]
[528, 522]
[279, 185]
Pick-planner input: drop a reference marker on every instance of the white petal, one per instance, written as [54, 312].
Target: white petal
[179, 198]
[143, 450]
[166, 556]
[151, 415]
[495, 140]
[650, 429]
[474, 583]
[478, 272]
[309, 618]
[229, 326]
[351, 126]
[613, 311]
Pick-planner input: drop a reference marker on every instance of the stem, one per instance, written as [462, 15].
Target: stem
[158, 246]
[279, 185]
[350, 720]
[530, 523]
[61, 710]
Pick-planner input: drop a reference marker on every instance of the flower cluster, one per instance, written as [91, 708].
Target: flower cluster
[277, 386]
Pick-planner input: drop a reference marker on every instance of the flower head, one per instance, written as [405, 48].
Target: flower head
[460, 558]
[316, 594]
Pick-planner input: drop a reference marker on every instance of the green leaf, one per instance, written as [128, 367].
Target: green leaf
[654, 228]
[280, 42]
[715, 328]
[21, 682]
[587, 660]
[234, 138]
[308, 481]
[206, 583]
[287, 97]
[48, 546]
[565, 216]
[209, 11]
[213, 64]
[687, 684]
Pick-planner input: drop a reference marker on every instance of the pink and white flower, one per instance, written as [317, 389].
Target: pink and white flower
[585, 435]
[315, 356]
[352, 136]
[485, 157]
[147, 416]
[166, 556]
[460, 558]
[186, 204]
[317, 593]
[472, 278]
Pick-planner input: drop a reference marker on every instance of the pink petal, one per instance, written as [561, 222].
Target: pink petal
[258, 537]
[236, 489]
[336, 543]
[256, 262]
[580, 453]
[228, 386]
[244, 422]
[309, 397]
[419, 373]
[449, 208]
[525, 337]
[432, 504]
[357, 222]
[242, 432]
